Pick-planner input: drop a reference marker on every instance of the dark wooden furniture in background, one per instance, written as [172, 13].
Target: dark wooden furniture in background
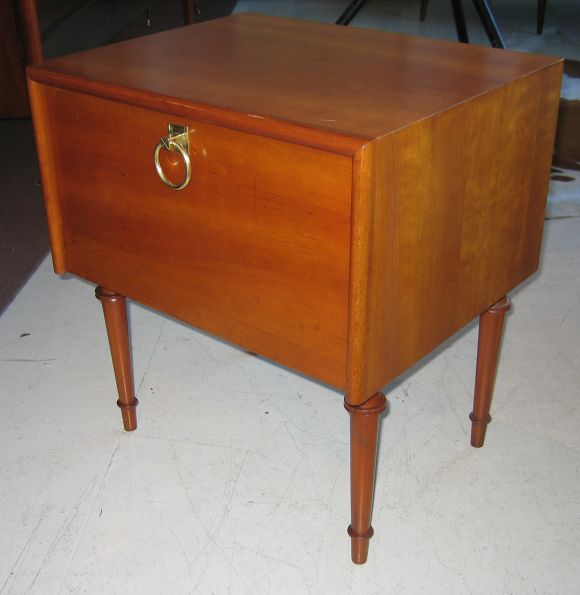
[31, 30]
[13, 98]
[21, 43]
[344, 217]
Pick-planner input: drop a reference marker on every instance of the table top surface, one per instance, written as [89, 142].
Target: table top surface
[359, 83]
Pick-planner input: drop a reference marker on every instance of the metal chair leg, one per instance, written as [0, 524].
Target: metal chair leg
[350, 12]
[489, 24]
[460, 25]
[423, 14]
[541, 15]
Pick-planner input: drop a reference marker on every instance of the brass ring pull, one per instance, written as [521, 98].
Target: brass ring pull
[175, 141]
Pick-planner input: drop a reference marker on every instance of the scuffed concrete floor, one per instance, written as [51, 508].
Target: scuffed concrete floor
[236, 480]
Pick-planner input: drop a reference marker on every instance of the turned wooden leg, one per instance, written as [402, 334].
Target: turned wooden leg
[364, 425]
[115, 311]
[490, 329]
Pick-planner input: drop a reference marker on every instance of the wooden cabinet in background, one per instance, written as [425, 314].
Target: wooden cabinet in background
[13, 97]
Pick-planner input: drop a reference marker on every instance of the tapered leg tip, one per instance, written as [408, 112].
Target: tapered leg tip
[359, 551]
[129, 425]
[129, 415]
[359, 545]
[478, 429]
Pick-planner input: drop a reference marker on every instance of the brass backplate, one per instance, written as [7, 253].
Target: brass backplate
[178, 134]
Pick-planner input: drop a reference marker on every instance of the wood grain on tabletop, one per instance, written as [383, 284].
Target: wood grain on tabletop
[271, 75]
[255, 250]
[442, 227]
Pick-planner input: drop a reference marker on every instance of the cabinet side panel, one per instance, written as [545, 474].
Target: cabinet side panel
[452, 210]
[43, 132]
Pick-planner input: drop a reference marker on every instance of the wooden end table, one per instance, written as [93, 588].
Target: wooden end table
[340, 201]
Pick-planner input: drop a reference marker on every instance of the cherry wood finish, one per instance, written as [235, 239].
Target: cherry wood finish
[228, 254]
[356, 197]
[115, 311]
[448, 217]
[364, 427]
[337, 88]
[490, 331]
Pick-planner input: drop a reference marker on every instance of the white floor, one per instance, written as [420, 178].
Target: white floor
[237, 479]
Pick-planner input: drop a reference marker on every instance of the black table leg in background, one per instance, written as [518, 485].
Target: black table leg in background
[541, 15]
[483, 10]
[488, 21]
[350, 12]
[460, 25]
